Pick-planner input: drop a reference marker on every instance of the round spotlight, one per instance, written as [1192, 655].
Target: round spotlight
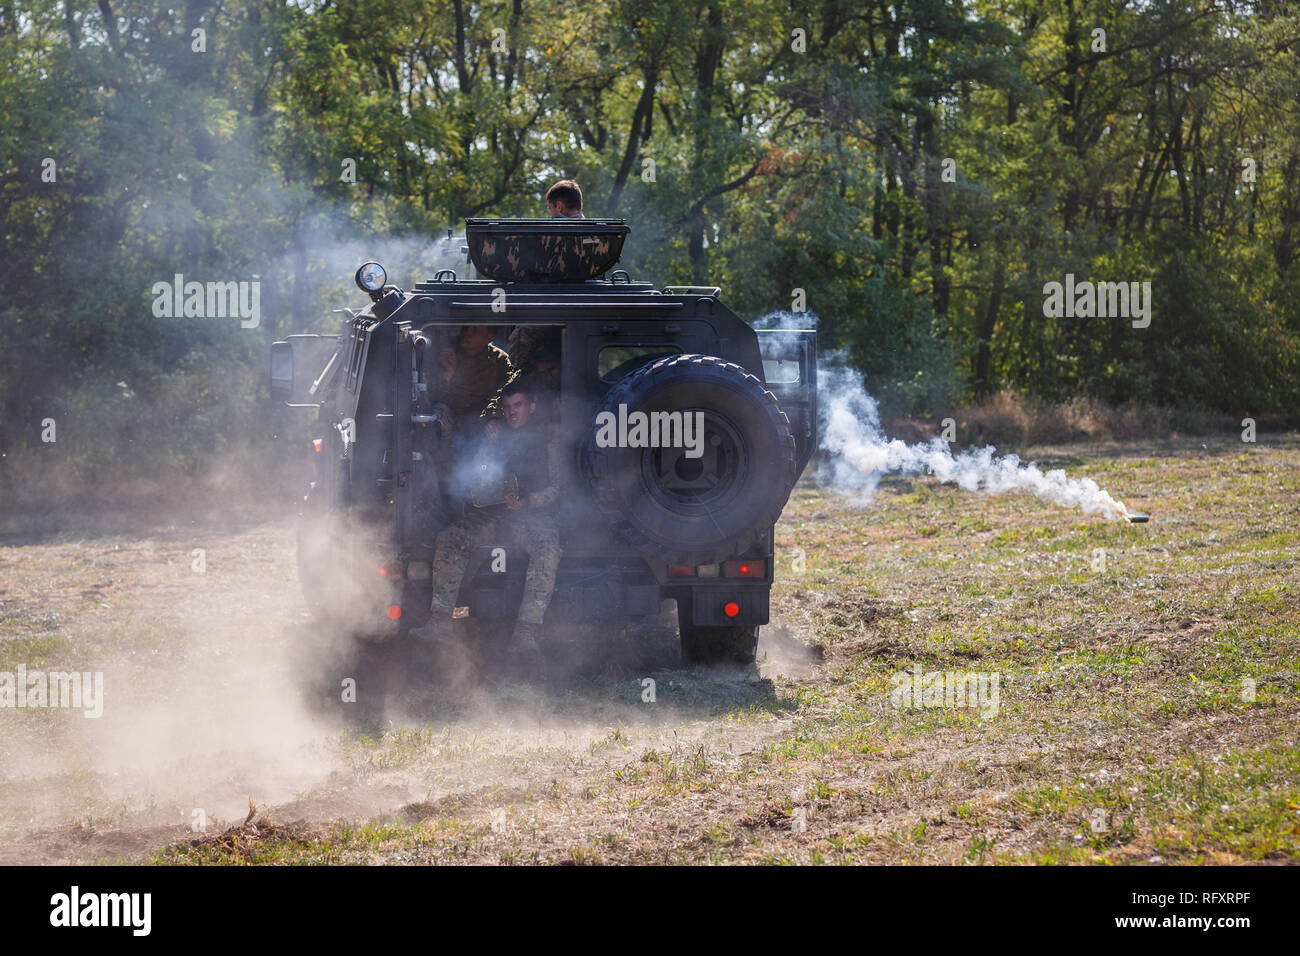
[371, 277]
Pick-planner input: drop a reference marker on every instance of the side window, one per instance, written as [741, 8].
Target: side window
[618, 361]
[781, 371]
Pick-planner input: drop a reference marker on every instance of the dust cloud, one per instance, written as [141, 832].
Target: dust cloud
[220, 691]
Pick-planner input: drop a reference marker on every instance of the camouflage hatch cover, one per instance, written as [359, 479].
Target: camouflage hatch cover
[544, 250]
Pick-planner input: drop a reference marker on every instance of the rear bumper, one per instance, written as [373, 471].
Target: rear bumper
[603, 589]
[709, 605]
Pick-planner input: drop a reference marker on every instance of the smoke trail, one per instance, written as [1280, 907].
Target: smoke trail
[861, 455]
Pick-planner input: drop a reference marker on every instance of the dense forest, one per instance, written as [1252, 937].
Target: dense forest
[915, 174]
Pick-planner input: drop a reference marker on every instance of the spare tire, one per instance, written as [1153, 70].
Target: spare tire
[695, 510]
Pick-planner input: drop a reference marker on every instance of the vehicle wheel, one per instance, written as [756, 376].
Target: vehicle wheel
[322, 658]
[685, 510]
[714, 645]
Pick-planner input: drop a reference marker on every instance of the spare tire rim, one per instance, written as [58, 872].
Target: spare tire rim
[698, 485]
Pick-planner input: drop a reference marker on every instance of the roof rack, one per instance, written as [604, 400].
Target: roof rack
[711, 291]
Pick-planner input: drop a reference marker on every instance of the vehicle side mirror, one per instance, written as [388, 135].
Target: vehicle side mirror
[281, 371]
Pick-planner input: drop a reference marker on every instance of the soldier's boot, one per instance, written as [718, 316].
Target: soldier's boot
[438, 631]
[524, 640]
[525, 658]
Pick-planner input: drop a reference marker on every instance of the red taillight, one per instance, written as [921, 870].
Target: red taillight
[394, 612]
[731, 609]
[391, 571]
[744, 569]
[681, 571]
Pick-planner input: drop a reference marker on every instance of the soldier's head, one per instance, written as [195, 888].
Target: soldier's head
[518, 404]
[474, 338]
[565, 199]
[547, 367]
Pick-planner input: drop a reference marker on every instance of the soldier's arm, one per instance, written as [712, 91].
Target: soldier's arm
[504, 375]
[504, 368]
[551, 493]
[493, 408]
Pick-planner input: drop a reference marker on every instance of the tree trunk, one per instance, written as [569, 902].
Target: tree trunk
[984, 354]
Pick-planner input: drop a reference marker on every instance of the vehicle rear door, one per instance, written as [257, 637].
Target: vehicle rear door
[790, 369]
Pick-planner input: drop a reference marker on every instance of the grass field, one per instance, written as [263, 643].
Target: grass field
[1147, 708]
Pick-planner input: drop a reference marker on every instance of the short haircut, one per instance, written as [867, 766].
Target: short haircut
[566, 193]
[520, 386]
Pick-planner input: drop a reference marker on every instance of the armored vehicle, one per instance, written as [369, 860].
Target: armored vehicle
[642, 519]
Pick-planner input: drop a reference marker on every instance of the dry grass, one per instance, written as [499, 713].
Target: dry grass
[1149, 711]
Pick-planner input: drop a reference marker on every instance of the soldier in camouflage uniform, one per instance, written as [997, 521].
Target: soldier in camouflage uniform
[524, 521]
[471, 372]
[534, 353]
[524, 343]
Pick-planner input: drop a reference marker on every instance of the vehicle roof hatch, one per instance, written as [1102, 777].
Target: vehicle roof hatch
[544, 250]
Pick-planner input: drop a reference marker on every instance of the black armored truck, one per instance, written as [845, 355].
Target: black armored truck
[641, 520]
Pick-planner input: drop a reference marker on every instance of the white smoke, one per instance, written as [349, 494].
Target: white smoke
[861, 454]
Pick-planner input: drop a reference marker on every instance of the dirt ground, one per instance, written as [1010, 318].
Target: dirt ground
[1146, 706]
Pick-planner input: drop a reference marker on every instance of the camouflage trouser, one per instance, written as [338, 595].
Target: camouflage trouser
[532, 532]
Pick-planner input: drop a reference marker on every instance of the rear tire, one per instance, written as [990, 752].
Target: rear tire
[321, 659]
[682, 510]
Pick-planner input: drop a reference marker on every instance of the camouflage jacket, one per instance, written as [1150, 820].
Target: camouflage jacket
[522, 345]
[533, 455]
[475, 380]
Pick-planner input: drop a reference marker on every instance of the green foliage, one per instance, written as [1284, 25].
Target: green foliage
[920, 170]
